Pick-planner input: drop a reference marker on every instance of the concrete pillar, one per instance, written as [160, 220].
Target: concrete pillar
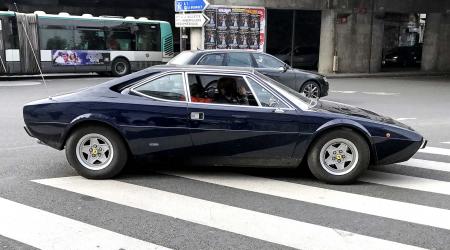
[430, 48]
[196, 39]
[376, 53]
[444, 47]
[327, 41]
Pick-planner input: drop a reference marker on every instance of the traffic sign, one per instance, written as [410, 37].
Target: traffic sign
[190, 5]
[190, 20]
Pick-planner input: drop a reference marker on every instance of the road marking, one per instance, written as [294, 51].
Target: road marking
[435, 151]
[405, 118]
[18, 84]
[246, 222]
[344, 91]
[409, 182]
[397, 210]
[426, 164]
[380, 93]
[45, 230]
[446, 142]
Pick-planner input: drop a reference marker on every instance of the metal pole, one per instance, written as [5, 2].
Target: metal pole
[293, 38]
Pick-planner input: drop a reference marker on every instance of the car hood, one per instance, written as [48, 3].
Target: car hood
[311, 73]
[340, 108]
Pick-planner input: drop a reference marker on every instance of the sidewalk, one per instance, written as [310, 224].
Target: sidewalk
[386, 74]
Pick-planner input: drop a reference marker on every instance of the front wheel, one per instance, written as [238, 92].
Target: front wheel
[311, 89]
[339, 157]
[96, 152]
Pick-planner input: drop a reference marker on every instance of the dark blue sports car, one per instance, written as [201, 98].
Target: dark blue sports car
[215, 116]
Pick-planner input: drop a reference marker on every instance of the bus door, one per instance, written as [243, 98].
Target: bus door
[148, 45]
[28, 43]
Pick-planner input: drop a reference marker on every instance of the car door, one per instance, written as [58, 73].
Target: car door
[243, 133]
[275, 69]
[157, 120]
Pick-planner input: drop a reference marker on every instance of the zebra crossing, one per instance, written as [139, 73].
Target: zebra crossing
[197, 209]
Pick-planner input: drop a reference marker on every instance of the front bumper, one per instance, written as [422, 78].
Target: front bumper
[395, 151]
[28, 131]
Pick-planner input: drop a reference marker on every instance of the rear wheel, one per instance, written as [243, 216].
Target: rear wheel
[96, 152]
[339, 157]
[120, 67]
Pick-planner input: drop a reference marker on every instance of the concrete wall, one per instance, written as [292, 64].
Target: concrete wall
[443, 63]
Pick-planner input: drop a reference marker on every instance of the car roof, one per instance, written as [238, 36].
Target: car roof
[200, 68]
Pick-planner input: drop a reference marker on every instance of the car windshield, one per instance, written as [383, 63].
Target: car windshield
[182, 58]
[297, 95]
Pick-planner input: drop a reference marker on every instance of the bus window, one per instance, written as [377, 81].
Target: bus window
[120, 39]
[148, 37]
[56, 37]
[90, 39]
[10, 28]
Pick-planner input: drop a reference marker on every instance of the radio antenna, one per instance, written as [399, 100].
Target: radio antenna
[34, 55]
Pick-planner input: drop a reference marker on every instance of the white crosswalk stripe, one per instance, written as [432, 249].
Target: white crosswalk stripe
[435, 151]
[409, 182]
[419, 214]
[250, 223]
[426, 164]
[45, 230]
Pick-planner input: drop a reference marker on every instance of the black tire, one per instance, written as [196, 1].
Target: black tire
[310, 84]
[120, 67]
[115, 165]
[355, 169]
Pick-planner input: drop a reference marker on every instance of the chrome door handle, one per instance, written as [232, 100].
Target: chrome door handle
[200, 116]
[278, 110]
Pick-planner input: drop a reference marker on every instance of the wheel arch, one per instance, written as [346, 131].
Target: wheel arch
[90, 120]
[343, 124]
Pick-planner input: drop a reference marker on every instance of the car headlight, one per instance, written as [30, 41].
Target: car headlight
[325, 79]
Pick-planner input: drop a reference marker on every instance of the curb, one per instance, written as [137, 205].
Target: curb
[385, 74]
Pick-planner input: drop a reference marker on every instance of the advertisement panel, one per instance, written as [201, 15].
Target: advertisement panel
[235, 28]
[79, 57]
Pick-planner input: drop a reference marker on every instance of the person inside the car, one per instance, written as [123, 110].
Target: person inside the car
[228, 92]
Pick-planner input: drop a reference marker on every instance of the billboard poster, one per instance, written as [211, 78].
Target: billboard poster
[79, 57]
[235, 28]
[212, 15]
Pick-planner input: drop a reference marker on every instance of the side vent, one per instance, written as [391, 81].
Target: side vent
[168, 47]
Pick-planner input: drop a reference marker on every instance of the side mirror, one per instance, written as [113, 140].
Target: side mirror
[285, 67]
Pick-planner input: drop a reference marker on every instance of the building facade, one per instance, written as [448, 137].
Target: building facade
[348, 36]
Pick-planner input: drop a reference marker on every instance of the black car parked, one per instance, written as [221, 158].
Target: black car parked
[313, 85]
[404, 56]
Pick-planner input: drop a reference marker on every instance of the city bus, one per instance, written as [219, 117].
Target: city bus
[64, 43]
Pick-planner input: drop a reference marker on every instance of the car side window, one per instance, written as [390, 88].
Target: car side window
[212, 59]
[266, 98]
[265, 61]
[169, 87]
[239, 60]
[220, 89]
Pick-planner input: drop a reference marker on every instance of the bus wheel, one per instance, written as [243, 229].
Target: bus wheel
[120, 67]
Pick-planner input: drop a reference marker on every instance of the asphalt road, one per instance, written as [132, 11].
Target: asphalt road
[42, 204]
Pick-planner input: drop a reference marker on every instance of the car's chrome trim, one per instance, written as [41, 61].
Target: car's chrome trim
[155, 77]
[230, 105]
